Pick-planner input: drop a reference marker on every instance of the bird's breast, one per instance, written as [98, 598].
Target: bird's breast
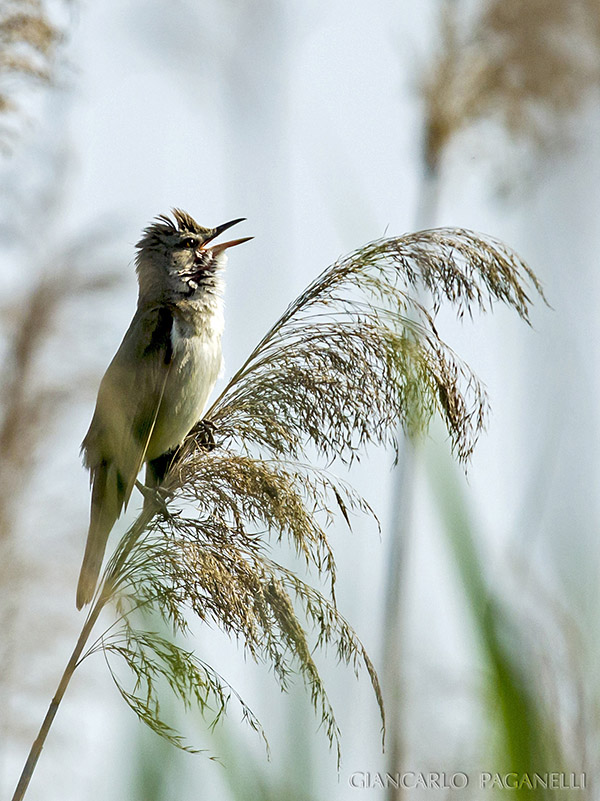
[195, 366]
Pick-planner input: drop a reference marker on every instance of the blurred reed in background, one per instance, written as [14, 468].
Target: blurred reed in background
[29, 48]
[526, 68]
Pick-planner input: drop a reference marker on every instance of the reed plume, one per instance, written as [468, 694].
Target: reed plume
[354, 355]
[29, 41]
[528, 65]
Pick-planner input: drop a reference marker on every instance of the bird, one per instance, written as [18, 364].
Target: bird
[156, 387]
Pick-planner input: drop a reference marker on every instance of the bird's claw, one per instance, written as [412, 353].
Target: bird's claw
[204, 432]
[155, 498]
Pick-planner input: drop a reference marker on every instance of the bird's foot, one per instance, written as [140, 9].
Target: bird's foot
[155, 498]
[204, 431]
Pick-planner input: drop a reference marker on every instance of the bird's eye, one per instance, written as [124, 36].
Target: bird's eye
[189, 242]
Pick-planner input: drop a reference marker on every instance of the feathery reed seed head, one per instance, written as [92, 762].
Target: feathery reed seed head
[349, 359]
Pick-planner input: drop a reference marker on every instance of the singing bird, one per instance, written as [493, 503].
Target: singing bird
[156, 387]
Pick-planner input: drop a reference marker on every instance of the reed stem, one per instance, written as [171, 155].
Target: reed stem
[107, 591]
[38, 743]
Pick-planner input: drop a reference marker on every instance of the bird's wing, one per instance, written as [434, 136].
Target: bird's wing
[116, 443]
[129, 398]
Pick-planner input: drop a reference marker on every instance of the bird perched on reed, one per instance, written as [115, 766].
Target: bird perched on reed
[156, 387]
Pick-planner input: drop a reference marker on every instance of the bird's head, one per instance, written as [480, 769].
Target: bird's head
[178, 259]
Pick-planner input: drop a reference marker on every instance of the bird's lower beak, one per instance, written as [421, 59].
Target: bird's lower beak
[216, 249]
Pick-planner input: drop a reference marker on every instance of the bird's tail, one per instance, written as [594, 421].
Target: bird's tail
[106, 507]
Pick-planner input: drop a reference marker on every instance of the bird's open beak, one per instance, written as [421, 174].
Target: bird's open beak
[216, 249]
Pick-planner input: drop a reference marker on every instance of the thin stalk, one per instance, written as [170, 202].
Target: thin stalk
[394, 596]
[399, 550]
[104, 596]
[38, 743]
[428, 198]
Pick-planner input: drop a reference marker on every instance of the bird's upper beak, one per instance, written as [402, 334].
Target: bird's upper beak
[216, 249]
